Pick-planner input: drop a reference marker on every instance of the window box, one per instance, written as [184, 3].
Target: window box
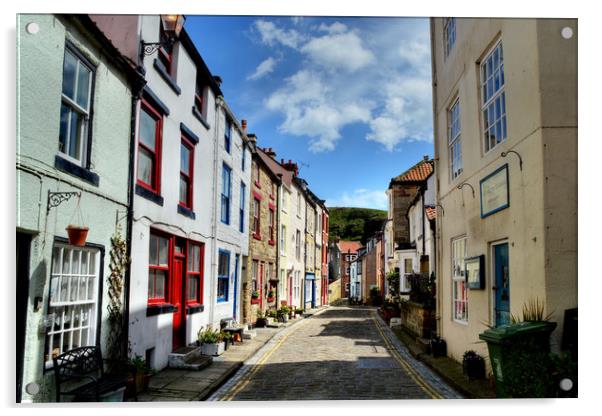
[254, 301]
[159, 309]
[192, 309]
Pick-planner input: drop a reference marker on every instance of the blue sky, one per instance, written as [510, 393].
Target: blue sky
[348, 99]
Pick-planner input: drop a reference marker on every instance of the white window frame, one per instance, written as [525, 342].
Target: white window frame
[458, 277]
[90, 304]
[454, 132]
[495, 100]
[84, 132]
[449, 27]
[283, 240]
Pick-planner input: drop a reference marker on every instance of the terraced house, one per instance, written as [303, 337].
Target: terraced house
[260, 288]
[505, 111]
[75, 97]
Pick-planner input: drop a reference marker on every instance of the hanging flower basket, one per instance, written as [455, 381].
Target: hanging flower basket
[77, 235]
[271, 299]
[254, 301]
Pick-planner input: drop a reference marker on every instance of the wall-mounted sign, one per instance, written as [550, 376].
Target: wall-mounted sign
[495, 193]
[475, 272]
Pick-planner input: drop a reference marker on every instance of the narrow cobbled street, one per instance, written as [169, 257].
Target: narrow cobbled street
[342, 353]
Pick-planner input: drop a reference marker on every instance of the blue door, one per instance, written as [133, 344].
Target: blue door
[502, 284]
[234, 314]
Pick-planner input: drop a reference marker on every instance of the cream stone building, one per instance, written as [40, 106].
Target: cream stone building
[505, 111]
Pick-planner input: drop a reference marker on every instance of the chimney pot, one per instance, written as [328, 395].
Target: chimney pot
[244, 124]
[426, 158]
[218, 80]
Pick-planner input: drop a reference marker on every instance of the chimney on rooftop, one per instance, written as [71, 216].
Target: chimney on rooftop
[270, 152]
[290, 166]
[243, 124]
[426, 158]
[252, 137]
[218, 80]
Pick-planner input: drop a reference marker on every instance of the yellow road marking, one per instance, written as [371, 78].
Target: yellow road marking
[409, 370]
[246, 378]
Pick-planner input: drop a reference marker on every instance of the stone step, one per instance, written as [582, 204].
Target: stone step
[195, 364]
[182, 355]
[249, 334]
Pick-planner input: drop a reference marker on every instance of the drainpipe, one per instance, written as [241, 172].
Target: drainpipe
[213, 271]
[436, 172]
[278, 230]
[136, 93]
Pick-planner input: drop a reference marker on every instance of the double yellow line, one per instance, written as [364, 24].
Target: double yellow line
[246, 378]
[430, 391]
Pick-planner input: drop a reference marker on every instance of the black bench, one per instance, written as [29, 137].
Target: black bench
[83, 368]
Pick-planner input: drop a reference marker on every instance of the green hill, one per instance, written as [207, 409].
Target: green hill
[355, 224]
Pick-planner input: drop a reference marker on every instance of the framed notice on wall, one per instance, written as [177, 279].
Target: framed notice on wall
[495, 194]
[474, 268]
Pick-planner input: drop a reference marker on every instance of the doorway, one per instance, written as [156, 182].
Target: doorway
[23, 250]
[179, 299]
[501, 286]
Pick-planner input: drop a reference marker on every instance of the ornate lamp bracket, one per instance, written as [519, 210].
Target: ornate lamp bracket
[57, 198]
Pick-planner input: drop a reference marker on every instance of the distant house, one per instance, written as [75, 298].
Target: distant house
[348, 252]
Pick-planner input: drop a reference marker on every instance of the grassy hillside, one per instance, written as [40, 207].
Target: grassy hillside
[355, 224]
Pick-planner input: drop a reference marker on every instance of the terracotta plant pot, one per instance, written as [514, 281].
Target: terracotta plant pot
[77, 235]
[254, 301]
[270, 299]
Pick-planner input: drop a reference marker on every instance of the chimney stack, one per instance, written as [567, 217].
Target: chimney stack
[218, 80]
[291, 167]
[270, 152]
[426, 158]
[252, 137]
[243, 124]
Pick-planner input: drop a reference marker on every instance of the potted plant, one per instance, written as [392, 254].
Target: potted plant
[254, 297]
[77, 235]
[261, 321]
[438, 347]
[140, 375]
[473, 365]
[285, 312]
[271, 296]
[211, 341]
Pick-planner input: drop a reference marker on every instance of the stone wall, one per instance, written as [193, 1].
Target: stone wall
[417, 319]
[334, 291]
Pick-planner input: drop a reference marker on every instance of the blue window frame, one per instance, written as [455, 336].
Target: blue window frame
[223, 275]
[226, 191]
[241, 221]
[227, 135]
[244, 154]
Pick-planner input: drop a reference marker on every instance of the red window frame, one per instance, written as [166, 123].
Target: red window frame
[272, 220]
[256, 217]
[165, 54]
[167, 289]
[156, 152]
[197, 275]
[189, 179]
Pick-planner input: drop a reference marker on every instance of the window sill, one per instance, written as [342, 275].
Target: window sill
[200, 117]
[194, 308]
[222, 300]
[72, 169]
[187, 212]
[159, 309]
[166, 77]
[257, 237]
[271, 242]
[463, 323]
[257, 184]
[148, 194]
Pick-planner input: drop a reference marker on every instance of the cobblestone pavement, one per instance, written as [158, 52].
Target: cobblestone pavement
[342, 353]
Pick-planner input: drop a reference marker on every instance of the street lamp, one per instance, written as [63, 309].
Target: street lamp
[172, 26]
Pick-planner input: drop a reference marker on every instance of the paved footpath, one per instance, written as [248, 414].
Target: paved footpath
[342, 353]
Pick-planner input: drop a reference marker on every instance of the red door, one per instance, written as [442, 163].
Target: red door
[179, 315]
[290, 289]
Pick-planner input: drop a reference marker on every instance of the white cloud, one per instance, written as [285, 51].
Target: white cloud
[338, 50]
[360, 198]
[264, 68]
[336, 27]
[271, 34]
[375, 72]
[312, 108]
[406, 115]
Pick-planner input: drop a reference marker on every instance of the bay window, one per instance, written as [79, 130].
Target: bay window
[158, 269]
[194, 280]
[73, 303]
